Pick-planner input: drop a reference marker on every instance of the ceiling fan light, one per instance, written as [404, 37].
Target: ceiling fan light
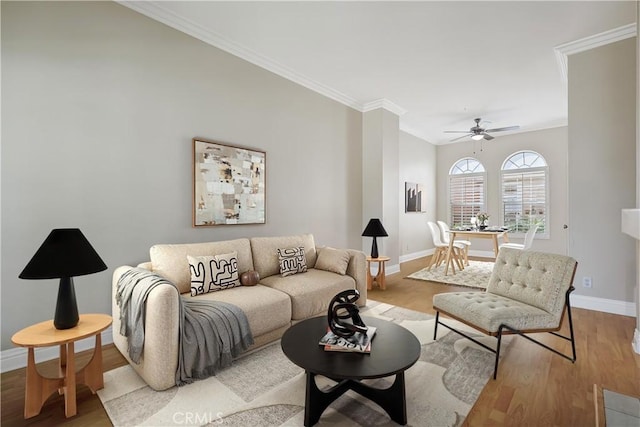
[477, 137]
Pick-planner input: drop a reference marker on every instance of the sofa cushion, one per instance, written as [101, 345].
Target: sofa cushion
[335, 260]
[266, 309]
[170, 261]
[292, 261]
[311, 292]
[265, 252]
[488, 311]
[213, 273]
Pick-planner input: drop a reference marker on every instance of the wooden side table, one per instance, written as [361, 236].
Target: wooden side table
[379, 277]
[39, 388]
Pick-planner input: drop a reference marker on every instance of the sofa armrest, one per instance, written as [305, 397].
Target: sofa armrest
[160, 355]
[358, 270]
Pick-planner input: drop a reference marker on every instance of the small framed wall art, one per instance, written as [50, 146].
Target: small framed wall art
[414, 197]
[228, 184]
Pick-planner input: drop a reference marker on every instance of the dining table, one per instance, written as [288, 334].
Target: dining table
[493, 234]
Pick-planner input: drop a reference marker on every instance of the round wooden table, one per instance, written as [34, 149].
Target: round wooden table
[39, 388]
[393, 350]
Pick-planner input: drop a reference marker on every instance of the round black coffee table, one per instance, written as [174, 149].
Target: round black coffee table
[393, 350]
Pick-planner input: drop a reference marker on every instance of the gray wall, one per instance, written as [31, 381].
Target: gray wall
[602, 169]
[550, 143]
[99, 106]
[418, 165]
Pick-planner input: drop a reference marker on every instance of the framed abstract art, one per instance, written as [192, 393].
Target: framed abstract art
[228, 184]
[415, 199]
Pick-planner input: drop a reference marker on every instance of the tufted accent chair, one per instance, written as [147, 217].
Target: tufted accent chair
[528, 292]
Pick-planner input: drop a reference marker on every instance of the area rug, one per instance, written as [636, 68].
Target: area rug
[474, 275]
[264, 388]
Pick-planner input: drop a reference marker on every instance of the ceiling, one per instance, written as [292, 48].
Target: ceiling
[437, 64]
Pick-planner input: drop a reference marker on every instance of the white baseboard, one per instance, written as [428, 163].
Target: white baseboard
[623, 308]
[416, 255]
[16, 358]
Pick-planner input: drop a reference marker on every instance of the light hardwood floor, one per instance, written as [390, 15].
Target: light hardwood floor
[534, 386]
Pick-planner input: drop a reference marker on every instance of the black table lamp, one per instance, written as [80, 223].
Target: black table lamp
[64, 254]
[374, 229]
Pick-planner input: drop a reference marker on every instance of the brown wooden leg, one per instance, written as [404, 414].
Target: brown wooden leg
[459, 258]
[381, 275]
[70, 383]
[62, 363]
[37, 388]
[91, 375]
[369, 276]
[448, 260]
[496, 248]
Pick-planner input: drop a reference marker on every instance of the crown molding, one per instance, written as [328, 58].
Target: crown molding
[158, 13]
[564, 50]
[383, 103]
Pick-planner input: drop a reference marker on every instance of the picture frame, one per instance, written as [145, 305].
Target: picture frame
[229, 184]
[414, 197]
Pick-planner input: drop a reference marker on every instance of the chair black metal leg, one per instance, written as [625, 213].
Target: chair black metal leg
[435, 327]
[499, 337]
[573, 341]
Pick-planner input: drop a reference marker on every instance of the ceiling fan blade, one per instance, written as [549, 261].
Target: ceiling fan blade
[456, 131]
[503, 129]
[487, 137]
[463, 136]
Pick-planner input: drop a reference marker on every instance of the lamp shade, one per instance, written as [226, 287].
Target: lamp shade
[64, 253]
[374, 229]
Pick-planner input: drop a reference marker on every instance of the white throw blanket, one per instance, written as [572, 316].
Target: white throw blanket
[211, 333]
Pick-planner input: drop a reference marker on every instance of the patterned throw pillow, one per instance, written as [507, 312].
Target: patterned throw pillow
[213, 273]
[292, 261]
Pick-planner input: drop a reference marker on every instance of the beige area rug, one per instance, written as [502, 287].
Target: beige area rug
[264, 388]
[475, 275]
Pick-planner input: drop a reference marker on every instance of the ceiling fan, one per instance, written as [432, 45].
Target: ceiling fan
[477, 132]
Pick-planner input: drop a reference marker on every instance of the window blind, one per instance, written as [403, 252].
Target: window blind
[524, 199]
[466, 197]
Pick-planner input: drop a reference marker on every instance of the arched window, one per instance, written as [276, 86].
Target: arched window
[467, 183]
[525, 192]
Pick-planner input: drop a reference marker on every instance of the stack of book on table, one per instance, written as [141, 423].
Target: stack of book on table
[358, 342]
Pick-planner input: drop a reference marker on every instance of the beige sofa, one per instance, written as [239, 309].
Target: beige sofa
[271, 306]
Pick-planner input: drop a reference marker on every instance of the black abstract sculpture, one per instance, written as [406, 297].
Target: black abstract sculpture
[344, 315]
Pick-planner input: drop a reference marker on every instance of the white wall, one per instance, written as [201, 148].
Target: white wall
[550, 143]
[417, 165]
[99, 106]
[602, 167]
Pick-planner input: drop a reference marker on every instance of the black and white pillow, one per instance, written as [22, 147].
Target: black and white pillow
[213, 273]
[292, 261]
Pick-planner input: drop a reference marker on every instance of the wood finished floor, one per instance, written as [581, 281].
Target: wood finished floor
[534, 386]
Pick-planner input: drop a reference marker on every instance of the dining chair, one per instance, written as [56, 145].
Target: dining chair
[444, 229]
[528, 240]
[442, 250]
